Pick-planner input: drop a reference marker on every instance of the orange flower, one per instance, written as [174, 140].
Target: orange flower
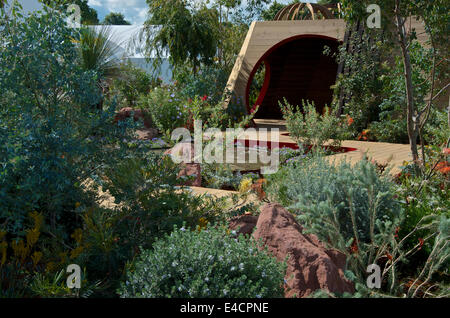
[349, 120]
[443, 167]
[389, 256]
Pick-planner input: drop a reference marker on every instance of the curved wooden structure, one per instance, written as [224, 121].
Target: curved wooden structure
[286, 65]
[313, 11]
[291, 49]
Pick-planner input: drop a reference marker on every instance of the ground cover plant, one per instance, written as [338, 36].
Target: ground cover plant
[202, 263]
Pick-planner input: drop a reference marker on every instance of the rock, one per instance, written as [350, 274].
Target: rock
[191, 170]
[309, 266]
[125, 112]
[147, 134]
[243, 224]
[182, 152]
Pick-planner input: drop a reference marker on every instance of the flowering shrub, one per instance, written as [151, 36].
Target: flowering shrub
[308, 127]
[36, 265]
[358, 211]
[167, 108]
[132, 82]
[209, 81]
[351, 194]
[350, 207]
[202, 264]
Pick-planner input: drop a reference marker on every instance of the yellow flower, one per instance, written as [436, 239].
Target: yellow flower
[32, 236]
[202, 223]
[75, 252]
[77, 235]
[245, 185]
[37, 218]
[19, 249]
[36, 257]
[2, 235]
[3, 249]
[51, 266]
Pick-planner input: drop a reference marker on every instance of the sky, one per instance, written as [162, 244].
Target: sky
[135, 11]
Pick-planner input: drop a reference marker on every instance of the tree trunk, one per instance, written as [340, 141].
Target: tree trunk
[412, 121]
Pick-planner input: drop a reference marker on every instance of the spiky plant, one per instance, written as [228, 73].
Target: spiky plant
[99, 53]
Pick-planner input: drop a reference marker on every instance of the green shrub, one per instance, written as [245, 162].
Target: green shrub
[151, 202]
[350, 192]
[167, 108]
[214, 115]
[346, 207]
[209, 81]
[423, 193]
[392, 123]
[360, 213]
[220, 176]
[308, 127]
[131, 84]
[361, 88]
[202, 264]
[51, 138]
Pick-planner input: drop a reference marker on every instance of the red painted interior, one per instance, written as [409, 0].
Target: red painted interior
[295, 69]
[291, 145]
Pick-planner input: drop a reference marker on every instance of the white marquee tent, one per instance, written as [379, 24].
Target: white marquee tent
[127, 40]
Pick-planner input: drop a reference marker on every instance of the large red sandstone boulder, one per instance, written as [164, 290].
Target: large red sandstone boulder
[184, 152]
[126, 112]
[309, 265]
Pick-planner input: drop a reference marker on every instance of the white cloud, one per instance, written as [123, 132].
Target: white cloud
[134, 11]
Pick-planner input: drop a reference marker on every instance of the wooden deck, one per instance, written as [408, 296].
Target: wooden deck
[393, 154]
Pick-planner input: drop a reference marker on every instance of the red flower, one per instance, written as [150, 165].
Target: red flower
[446, 151]
[396, 231]
[354, 247]
[389, 256]
[421, 241]
[204, 97]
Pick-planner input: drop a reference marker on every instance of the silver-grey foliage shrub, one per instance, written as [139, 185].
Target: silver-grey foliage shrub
[350, 208]
[202, 264]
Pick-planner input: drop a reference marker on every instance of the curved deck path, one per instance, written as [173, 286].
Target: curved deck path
[382, 152]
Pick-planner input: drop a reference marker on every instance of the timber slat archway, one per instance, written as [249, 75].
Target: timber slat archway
[304, 11]
[296, 39]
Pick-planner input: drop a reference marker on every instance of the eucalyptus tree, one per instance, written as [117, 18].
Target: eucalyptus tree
[199, 32]
[394, 15]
